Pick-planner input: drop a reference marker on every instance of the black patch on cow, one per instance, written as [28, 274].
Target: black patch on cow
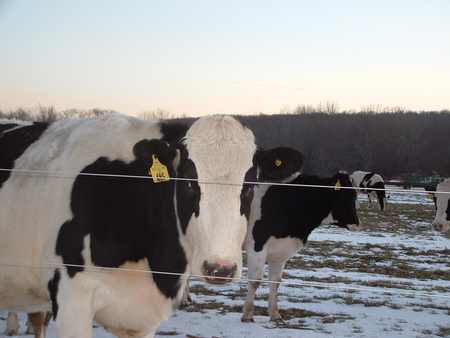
[247, 191]
[53, 286]
[7, 126]
[173, 132]
[366, 179]
[128, 219]
[278, 164]
[14, 143]
[447, 212]
[187, 190]
[297, 211]
[381, 194]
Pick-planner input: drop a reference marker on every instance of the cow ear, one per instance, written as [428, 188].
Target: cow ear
[342, 178]
[277, 164]
[144, 151]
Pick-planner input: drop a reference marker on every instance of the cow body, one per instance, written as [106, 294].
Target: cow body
[442, 201]
[366, 182]
[281, 220]
[84, 226]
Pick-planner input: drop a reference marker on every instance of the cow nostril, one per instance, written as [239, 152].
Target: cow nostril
[218, 274]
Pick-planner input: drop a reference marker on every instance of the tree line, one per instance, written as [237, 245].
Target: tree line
[391, 142]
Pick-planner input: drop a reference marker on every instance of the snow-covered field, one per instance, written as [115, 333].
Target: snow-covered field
[392, 279]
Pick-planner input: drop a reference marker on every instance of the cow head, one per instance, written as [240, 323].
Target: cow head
[216, 155]
[442, 220]
[344, 203]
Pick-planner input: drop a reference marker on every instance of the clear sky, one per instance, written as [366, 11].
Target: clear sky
[232, 57]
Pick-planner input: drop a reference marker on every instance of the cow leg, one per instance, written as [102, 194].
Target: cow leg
[30, 329]
[255, 274]
[39, 321]
[369, 195]
[186, 300]
[275, 273]
[12, 324]
[75, 307]
[357, 201]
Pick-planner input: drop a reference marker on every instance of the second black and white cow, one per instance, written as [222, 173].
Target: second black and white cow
[88, 235]
[371, 184]
[282, 218]
[442, 219]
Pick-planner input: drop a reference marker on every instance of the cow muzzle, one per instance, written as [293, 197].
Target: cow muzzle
[438, 226]
[215, 273]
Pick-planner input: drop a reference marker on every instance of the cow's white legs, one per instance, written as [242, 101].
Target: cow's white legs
[75, 308]
[275, 273]
[12, 324]
[255, 274]
[357, 201]
[186, 300]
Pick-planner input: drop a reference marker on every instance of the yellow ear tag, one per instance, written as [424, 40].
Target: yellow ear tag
[337, 186]
[158, 171]
[431, 196]
[278, 162]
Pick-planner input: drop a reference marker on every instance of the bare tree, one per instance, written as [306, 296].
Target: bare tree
[157, 114]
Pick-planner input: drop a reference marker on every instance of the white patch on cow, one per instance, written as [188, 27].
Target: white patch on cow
[19, 123]
[221, 149]
[440, 222]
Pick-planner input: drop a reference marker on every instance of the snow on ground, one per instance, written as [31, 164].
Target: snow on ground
[332, 295]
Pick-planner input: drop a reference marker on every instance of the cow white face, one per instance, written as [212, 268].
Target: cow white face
[442, 220]
[211, 215]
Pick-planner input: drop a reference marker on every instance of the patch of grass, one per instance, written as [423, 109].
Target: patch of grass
[443, 331]
[167, 333]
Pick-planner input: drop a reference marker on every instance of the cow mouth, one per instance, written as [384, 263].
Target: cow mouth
[218, 275]
[218, 280]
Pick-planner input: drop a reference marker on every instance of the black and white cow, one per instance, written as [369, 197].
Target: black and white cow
[282, 217]
[442, 219]
[367, 182]
[88, 235]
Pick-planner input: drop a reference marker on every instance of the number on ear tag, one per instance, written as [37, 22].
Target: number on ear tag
[158, 171]
[337, 186]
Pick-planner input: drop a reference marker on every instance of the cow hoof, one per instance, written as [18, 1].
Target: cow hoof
[247, 320]
[278, 321]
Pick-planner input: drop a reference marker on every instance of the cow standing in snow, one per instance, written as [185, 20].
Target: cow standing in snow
[282, 217]
[88, 235]
[442, 219]
[369, 183]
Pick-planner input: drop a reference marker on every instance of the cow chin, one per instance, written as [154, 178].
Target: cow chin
[354, 227]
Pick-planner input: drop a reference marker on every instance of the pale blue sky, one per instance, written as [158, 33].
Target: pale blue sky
[232, 57]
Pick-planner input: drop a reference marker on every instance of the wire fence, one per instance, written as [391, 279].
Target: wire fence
[93, 268]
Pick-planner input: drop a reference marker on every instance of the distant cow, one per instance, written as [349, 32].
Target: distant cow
[367, 182]
[282, 218]
[442, 219]
[88, 235]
